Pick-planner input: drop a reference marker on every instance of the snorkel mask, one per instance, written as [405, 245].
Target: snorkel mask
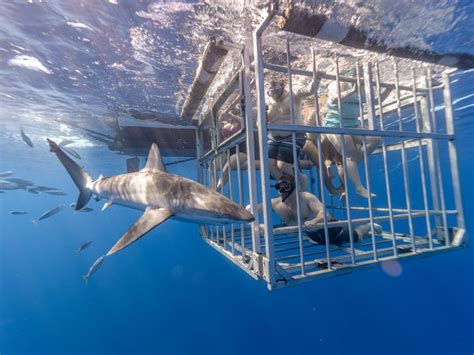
[285, 186]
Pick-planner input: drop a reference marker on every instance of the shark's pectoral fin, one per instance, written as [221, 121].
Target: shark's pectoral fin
[107, 204]
[151, 218]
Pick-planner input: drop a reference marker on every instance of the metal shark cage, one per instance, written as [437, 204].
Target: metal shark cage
[416, 178]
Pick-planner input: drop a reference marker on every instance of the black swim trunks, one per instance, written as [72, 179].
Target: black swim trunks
[281, 148]
[336, 235]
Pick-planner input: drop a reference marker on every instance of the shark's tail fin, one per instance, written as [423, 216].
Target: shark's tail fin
[85, 278]
[80, 177]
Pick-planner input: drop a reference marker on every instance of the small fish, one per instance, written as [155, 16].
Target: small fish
[6, 185]
[6, 174]
[32, 191]
[17, 213]
[85, 209]
[44, 188]
[71, 151]
[97, 264]
[65, 142]
[84, 246]
[56, 193]
[21, 182]
[26, 139]
[49, 213]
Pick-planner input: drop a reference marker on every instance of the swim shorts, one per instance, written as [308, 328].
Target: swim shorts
[336, 235]
[281, 148]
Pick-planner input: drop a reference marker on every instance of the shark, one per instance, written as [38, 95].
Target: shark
[157, 192]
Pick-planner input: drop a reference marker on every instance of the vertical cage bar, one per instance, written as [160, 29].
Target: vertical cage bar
[224, 230]
[214, 187]
[210, 168]
[437, 162]
[406, 182]
[241, 201]
[452, 150]
[431, 152]
[317, 119]
[369, 94]
[453, 155]
[421, 160]
[344, 164]
[250, 144]
[295, 158]
[321, 184]
[263, 148]
[229, 169]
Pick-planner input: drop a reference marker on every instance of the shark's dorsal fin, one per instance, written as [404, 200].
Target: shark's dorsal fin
[101, 177]
[154, 162]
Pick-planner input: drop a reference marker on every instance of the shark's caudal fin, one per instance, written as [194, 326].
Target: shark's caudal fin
[80, 177]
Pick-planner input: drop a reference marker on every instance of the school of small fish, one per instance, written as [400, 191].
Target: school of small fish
[10, 183]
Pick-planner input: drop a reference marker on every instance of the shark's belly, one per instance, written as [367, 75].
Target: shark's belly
[204, 216]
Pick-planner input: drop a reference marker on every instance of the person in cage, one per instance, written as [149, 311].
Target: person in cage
[312, 213]
[329, 155]
[280, 143]
[349, 117]
[230, 125]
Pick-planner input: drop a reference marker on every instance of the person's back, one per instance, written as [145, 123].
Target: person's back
[350, 112]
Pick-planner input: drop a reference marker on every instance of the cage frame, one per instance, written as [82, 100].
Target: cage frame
[256, 251]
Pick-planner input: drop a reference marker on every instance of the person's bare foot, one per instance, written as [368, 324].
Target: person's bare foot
[329, 172]
[362, 191]
[363, 230]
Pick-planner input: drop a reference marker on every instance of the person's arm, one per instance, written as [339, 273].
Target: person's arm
[307, 90]
[332, 94]
[316, 207]
[260, 206]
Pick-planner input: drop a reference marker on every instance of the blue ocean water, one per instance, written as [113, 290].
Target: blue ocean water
[171, 293]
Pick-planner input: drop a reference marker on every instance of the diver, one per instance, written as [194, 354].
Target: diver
[349, 117]
[312, 213]
[280, 143]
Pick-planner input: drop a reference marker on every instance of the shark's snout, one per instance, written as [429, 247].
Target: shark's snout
[246, 215]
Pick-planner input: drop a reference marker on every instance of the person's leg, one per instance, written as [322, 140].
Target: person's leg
[363, 230]
[327, 156]
[310, 149]
[273, 152]
[340, 172]
[233, 165]
[351, 161]
[372, 144]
